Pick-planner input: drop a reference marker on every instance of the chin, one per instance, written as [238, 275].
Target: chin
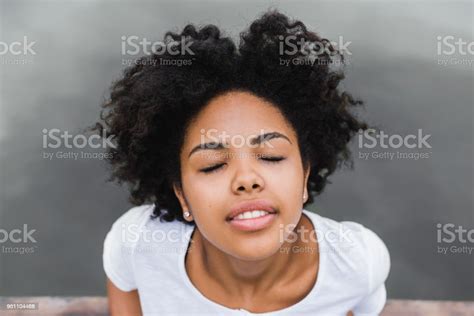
[256, 252]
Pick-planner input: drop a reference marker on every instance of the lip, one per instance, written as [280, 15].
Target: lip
[252, 205]
[253, 224]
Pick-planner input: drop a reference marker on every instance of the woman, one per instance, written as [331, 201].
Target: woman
[222, 148]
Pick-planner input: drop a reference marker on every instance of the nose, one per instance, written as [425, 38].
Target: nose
[247, 180]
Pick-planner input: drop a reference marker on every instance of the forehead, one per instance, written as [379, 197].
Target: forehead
[239, 113]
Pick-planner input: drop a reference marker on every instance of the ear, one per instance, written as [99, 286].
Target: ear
[180, 195]
[305, 188]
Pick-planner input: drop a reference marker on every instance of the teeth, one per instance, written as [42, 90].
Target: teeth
[251, 214]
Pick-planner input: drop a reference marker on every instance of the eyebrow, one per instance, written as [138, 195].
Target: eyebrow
[254, 141]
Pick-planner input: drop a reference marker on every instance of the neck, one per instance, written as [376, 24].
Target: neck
[246, 279]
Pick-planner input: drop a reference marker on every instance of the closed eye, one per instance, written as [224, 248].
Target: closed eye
[273, 159]
[215, 168]
[211, 168]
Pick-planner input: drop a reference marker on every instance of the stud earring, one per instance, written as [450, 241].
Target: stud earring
[186, 214]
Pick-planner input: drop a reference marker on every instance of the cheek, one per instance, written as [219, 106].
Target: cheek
[206, 199]
[200, 187]
[288, 180]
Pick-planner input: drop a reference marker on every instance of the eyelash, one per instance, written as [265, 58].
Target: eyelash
[217, 167]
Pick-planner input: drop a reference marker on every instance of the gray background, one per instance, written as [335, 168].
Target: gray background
[393, 67]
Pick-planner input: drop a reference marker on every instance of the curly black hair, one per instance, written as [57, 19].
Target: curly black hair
[151, 106]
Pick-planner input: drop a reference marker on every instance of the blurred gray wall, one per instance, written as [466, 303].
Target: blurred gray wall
[394, 67]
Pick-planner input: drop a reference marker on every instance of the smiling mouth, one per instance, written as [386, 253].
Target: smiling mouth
[251, 221]
[250, 215]
[251, 209]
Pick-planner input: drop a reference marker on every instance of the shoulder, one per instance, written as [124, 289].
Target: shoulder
[132, 220]
[378, 258]
[137, 226]
[136, 235]
[137, 215]
[118, 247]
[354, 250]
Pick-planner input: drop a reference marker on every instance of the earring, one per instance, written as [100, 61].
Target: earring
[186, 214]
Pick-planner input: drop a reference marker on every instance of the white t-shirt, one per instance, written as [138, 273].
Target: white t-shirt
[149, 255]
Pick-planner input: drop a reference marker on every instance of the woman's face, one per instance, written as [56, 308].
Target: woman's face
[242, 173]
